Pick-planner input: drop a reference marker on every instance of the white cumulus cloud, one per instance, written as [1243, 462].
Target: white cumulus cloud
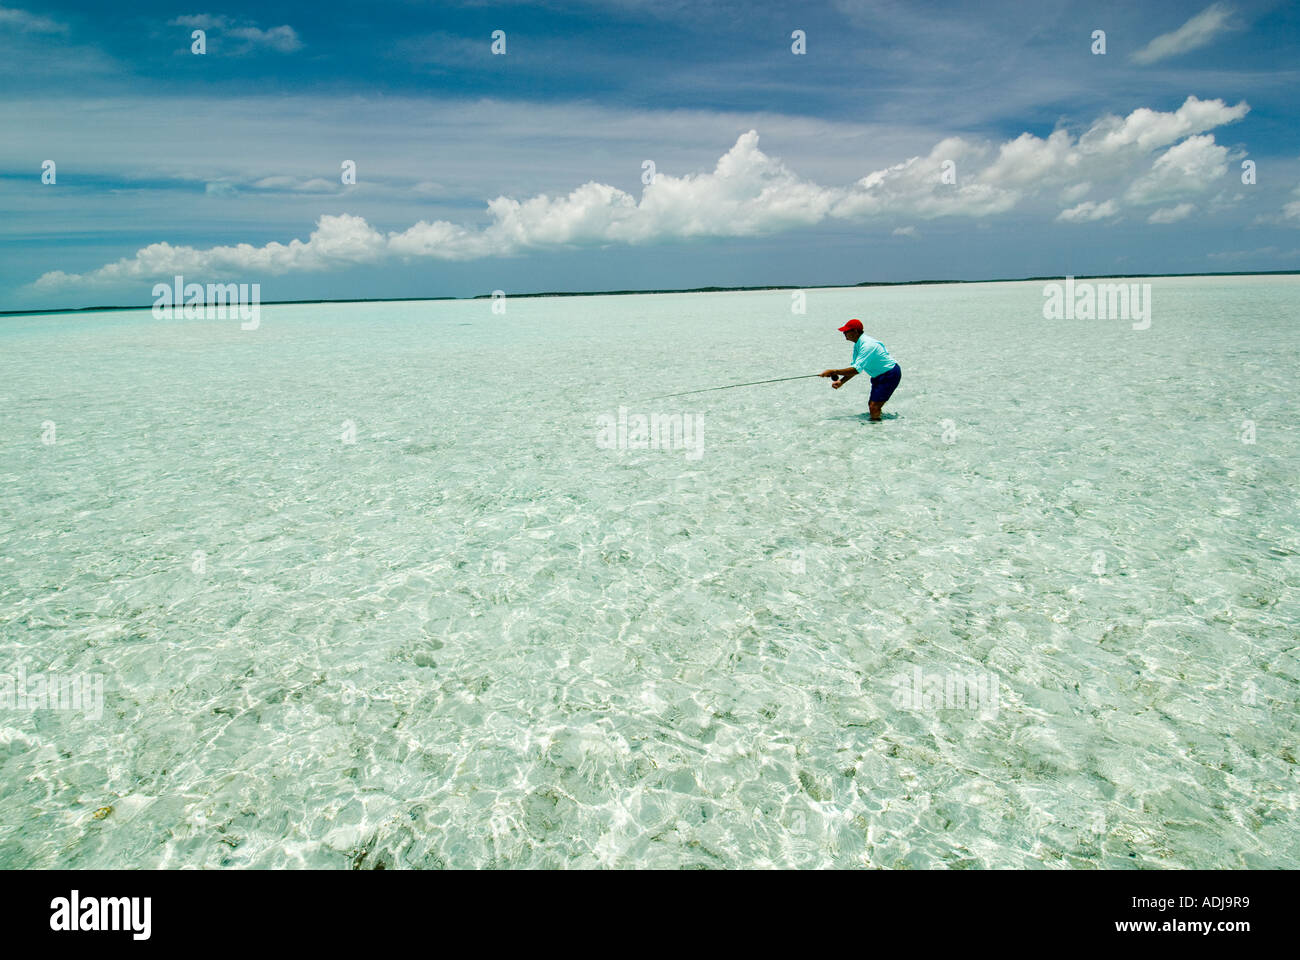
[1088, 211]
[1148, 129]
[1172, 214]
[1075, 192]
[748, 194]
[283, 38]
[1188, 167]
[342, 240]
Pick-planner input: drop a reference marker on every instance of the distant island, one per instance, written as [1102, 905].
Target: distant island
[626, 293]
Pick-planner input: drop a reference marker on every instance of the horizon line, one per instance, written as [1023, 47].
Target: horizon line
[624, 293]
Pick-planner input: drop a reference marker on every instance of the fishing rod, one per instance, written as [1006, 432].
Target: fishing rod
[730, 386]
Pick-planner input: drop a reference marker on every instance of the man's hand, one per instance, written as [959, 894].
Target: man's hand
[829, 373]
[837, 384]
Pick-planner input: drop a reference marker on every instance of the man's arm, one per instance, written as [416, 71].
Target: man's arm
[840, 377]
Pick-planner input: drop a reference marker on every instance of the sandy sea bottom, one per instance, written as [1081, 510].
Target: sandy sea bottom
[364, 587]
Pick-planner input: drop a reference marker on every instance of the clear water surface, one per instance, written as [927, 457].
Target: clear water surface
[365, 589]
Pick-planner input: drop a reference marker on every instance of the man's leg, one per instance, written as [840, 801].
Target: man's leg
[884, 389]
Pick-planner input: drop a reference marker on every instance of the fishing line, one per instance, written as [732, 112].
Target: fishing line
[731, 386]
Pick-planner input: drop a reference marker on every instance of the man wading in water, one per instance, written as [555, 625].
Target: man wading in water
[869, 357]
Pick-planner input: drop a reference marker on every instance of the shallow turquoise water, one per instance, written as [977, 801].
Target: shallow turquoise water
[477, 637]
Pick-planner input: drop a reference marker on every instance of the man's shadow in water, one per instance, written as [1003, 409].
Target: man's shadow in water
[866, 417]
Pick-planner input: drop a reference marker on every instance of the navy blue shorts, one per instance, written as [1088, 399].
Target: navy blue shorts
[883, 386]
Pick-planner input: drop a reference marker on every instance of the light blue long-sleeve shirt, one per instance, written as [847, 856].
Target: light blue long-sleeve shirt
[871, 357]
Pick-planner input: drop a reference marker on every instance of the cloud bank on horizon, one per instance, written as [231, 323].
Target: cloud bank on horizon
[750, 193]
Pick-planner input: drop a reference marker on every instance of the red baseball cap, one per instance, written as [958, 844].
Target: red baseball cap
[851, 325]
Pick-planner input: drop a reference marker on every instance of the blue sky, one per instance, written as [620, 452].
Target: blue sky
[911, 141]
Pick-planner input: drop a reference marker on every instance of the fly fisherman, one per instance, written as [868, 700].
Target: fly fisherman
[869, 357]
